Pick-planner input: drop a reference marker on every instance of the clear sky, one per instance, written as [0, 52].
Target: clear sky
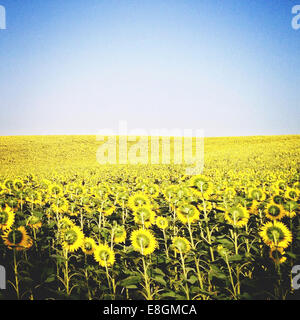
[230, 67]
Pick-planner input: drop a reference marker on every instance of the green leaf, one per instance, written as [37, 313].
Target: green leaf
[132, 280]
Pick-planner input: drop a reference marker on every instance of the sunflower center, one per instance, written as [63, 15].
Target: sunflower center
[88, 246]
[274, 211]
[143, 241]
[275, 234]
[3, 217]
[70, 237]
[15, 237]
[180, 245]
[104, 255]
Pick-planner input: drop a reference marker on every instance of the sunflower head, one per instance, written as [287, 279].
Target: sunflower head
[152, 190]
[119, 234]
[181, 245]
[104, 255]
[187, 213]
[55, 190]
[237, 216]
[143, 241]
[88, 246]
[290, 208]
[17, 239]
[18, 184]
[138, 200]
[65, 223]
[7, 218]
[72, 238]
[291, 194]
[277, 255]
[200, 185]
[144, 216]
[162, 222]
[34, 221]
[257, 194]
[276, 234]
[274, 211]
[277, 198]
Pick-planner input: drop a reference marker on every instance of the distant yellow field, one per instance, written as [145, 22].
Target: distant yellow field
[44, 155]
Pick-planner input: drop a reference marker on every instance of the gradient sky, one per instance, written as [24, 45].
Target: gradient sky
[230, 67]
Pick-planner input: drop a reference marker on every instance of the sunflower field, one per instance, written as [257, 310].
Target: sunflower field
[71, 228]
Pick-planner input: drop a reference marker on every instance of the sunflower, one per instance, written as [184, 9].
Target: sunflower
[152, 190]
[162, 222]
[238, 216]
[7, 218]
[107, 208]
[55, 190]
[72, 238]
[291, 194]
[88, 246]
[9, 184]
[277, 198]
[34, 222]
[17, 239]
[281, 185]
[60, 205]
[254, 207]
[138, 200]
[187, 213]
[256, 194]
[200, 185]
[18, 184]
[104, 255]
[65, 223]
[274, 211]
[276, 234]
[277, 255]
[170, 193]
[119, 233]
[181, 245]
[143, 241]
[144, 216]
[290, 208]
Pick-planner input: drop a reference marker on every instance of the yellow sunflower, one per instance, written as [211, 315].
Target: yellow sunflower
[162, 222]
[55, 190]
[104, 255]
[256, 194]
[181, 245]
[65, 223]
[274, 211]
[201, 185]
[72, 238]
[7, 218]
[277, 255]
[144, 216]
[17, 239]
[276, 234]
[34, 222]
[291, 194]
[290, 208]
[138, 200]
[143, 241]
[237, 216]
[60, 205]
[88, 246]
[18, 184]
[119, 233]
[152, 190]
[187, 213]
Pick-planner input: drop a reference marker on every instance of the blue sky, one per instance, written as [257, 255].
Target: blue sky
[73, 67]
